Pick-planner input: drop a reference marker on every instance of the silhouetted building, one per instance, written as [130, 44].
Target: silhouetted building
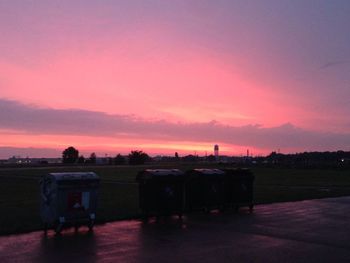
[216, 151]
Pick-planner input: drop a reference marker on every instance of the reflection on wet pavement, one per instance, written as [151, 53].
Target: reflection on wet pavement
[308, 231]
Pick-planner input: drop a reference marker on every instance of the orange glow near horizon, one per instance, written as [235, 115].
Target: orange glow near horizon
[112, 146]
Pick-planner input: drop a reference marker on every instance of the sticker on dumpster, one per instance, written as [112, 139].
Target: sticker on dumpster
[75, 201]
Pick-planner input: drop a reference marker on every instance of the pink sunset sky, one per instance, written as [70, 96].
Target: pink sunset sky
[166, 76]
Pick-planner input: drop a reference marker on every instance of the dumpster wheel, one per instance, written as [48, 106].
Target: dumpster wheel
[46, 225]
[144, 216]
[58, 229]
[91, 225]
[222, 208]
[206, 210]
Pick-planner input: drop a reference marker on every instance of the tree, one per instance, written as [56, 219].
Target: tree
[138, 157]
[211, 158]
[176, 156]
[190, 158]
[119, 159]
[92, 158]
[81, 159]
[70, 155]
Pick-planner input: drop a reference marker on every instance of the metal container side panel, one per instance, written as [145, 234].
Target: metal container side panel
[48, 212]
[48, 203]
[94, 200]
[160, 196]
[240, 190]
[147, 195]
[238, 172]
[245, 191]
[65, 206]
[161, 191]
[170, 196]
[142, 195]
[204, 191]
[238, 185]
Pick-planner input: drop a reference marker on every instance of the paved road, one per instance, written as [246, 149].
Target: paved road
[308, 231]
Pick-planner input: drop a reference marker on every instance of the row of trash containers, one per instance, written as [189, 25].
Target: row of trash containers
[171, 191]
[70, 199]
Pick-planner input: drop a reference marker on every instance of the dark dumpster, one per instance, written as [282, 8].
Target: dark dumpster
[68, 199]
[204, 189]
[161, 192]
[238, 188]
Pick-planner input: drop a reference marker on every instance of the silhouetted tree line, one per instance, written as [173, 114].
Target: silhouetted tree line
[71, 156]
[310, 159]
[302, 160]
[138, 157]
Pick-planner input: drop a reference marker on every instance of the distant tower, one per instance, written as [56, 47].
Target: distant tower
[216, 151]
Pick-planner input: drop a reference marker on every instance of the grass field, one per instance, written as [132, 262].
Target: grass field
[19, 190]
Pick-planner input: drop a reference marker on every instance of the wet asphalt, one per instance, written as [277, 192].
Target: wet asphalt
[307, 231]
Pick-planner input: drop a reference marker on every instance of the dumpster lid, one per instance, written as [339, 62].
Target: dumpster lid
[235, 169]
[238, 171]
[208, 171]
[70, 176]
[150, 173]
[160, 172]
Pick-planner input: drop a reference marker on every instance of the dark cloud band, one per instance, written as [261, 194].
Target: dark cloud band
[35, 120]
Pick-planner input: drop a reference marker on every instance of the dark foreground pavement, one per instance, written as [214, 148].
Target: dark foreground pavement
[308, 231]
